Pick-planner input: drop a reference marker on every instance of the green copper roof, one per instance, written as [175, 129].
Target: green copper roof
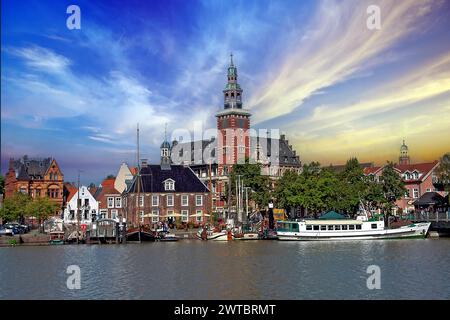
[232, 86]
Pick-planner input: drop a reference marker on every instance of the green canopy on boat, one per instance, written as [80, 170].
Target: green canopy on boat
[332, 215]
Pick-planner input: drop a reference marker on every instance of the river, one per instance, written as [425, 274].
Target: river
[190, 269]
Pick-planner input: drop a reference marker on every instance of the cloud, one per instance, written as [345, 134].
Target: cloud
[41, 59]
[335, 46]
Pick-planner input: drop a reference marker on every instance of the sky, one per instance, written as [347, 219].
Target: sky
[312, 69]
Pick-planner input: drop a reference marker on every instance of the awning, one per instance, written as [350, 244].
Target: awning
[172, 215]
[200, 215]
[150, 215]
[332, 215]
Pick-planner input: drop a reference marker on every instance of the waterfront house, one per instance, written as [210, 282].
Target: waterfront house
[37, 177]
[80, 200]
[109, 200]
[166, 192]
[124, 177]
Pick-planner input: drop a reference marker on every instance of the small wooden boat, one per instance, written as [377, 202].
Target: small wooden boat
[140, 234]
[247, 236]
[166, 236]
[223, 235]
[56, 237]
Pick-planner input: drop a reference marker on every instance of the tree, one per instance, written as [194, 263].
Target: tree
[351, 186]
[14, 208]
[110, 176]
[2, 184]
[252, 177]
[443, 172]
[392, 186]
[41, 208]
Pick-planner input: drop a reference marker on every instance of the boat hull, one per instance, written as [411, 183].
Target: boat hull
[414, 231]
[140, 235]
[215, 236]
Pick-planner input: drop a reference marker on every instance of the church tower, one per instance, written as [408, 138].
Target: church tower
[165, 153]
[404, 157]
[233, 123]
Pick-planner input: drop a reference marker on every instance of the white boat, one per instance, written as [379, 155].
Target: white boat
[216, 236]
[347, 229]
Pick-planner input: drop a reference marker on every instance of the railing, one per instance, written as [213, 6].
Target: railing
[432, 216]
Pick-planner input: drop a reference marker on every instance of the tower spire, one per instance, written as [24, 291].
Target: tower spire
[231, 59]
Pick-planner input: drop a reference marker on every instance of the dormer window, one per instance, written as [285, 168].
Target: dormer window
[169, 185]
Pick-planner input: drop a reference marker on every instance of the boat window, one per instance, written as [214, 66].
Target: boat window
[316, 227]
[351, 227]
[344, 227]
[294, 227]
[337, 227]
[358, 227]
[284, 227]
[308, 227]
[330, 227]
[374, 225]
[323, 227]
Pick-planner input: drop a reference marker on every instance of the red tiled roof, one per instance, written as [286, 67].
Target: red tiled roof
[370, 170]
[107, 188]
[423, 168]
[72, 190]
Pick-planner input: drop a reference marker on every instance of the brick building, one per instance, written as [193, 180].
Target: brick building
[36, 177]
[109, 200]
[166, 192]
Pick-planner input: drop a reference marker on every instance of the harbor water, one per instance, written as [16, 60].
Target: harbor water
[190, 269]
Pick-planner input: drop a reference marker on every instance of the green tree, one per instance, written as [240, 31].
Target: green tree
[443, 172]
[351, 187]
[110, 176]
[14, 208]
[392, 186]
[41, 208]
[2, 184]
[251, 176]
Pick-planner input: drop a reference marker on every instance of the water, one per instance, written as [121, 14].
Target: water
[410, 269]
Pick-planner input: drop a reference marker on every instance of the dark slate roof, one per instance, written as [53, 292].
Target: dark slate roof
[286, 154]
[31, 168]
[153, 178]
[430, 198]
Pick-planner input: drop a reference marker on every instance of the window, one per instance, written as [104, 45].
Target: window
[155, 217]
[351, 227]
[169, 184]
[358, 227]
[184, 200]
[141, 214]
[86, 202]
[407, 194]
[428, 189]
[170, 214]
[344, 227]
[337, 227]
[103, 213]
[308, 227]
[373, 225]
[55, 177]
[155, 201]
[198, 200]
[114, 214]
[323, 228]
[199, 215]
[415, 193]
[316, 227]
[72, 215]
[118, 202]
[294, 227]
[110, 202]
[141, 201]
[330, 228]
[170, 200]
[184, 215]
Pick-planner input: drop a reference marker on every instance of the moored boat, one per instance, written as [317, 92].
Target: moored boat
[347, 229]
[140, 234]
[56, 237]
[223, 235]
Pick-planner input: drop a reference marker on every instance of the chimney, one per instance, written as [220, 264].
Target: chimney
[282, 137]
[144, 163]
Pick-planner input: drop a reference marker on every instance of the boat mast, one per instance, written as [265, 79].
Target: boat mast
[138, 182]
[210, 193]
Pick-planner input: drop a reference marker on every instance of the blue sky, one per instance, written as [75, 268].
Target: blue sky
[310, 68]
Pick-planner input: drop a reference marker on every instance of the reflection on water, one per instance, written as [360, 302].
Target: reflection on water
[416, 269]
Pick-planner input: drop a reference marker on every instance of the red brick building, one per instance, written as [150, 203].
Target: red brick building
[36, 177]
[419, 178]
[166, 192]
[109, 200]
